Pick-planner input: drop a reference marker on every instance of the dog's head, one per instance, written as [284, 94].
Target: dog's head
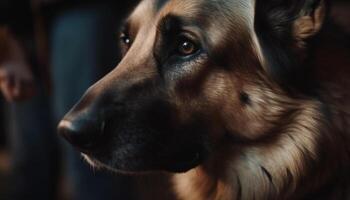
[195, 76]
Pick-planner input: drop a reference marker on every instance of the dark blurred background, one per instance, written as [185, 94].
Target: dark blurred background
[69, 45]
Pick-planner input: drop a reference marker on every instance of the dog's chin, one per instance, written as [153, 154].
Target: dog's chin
[96, 164]
[172, 167]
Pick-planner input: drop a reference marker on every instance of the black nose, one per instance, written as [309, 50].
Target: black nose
[81, 133]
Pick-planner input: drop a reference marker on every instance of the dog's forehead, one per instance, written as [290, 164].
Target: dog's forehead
[208, 6]
[219, 20]
[240, 11]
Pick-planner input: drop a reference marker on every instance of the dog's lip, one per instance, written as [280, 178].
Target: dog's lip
[91, 161]
[95, 163]
[179, 166]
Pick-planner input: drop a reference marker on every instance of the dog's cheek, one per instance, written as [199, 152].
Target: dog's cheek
[266, 111]
[249, 108]
[221, 97]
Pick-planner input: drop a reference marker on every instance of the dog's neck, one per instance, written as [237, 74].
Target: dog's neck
[268, 170]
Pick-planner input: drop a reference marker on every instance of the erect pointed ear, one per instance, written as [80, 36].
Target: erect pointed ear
[290, 19]
[310, 19]
[283, 28]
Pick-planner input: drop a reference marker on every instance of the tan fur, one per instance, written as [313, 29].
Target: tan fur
[293, 145]
[244, 163]
[282, 156]
[296, 143]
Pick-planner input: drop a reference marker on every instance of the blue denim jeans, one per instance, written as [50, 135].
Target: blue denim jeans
[83, 44]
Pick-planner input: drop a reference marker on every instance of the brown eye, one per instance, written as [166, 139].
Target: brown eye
[187, 47]
[125, 39]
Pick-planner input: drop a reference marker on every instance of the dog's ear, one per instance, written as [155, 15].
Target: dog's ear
[293, 19]
[283, 27]
[310, 19]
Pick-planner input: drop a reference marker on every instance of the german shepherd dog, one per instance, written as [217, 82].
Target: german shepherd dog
[236, 99]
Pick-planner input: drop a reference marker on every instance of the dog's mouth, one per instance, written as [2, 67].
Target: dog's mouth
[176, 163]
[92, 162]
[96, 164]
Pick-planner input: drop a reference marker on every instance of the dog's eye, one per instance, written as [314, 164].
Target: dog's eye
[186, 47]
[125, 38]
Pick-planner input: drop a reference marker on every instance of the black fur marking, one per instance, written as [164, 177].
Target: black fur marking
[245, 99]
[239, 192]
[289, 177]
[267, 173]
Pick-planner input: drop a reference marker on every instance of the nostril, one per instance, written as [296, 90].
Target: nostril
[81, 135]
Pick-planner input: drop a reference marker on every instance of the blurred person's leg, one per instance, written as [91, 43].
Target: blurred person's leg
[33, 148]
[84, 43]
